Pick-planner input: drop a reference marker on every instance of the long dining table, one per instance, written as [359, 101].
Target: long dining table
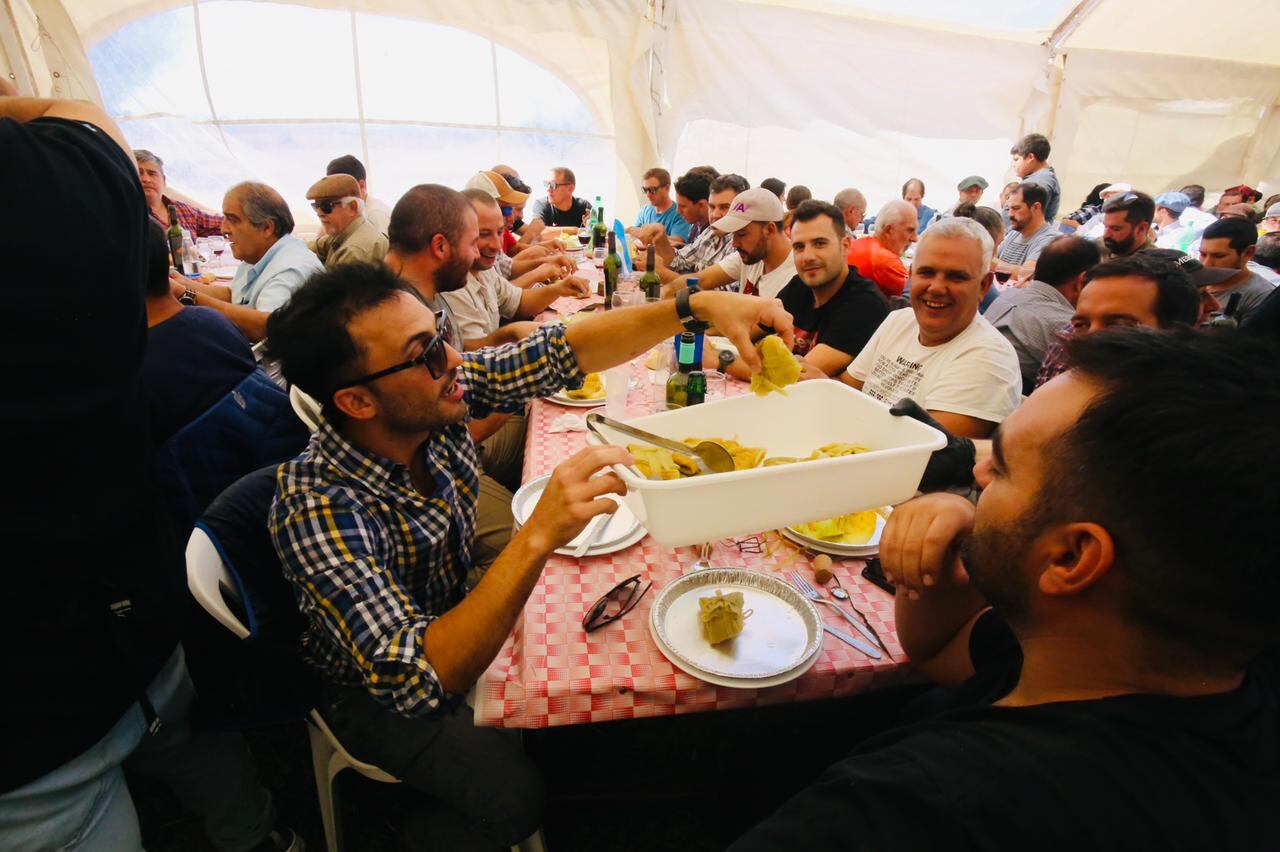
[551, 672]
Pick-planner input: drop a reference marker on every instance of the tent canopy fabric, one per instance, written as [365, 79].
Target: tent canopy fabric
[828, 93]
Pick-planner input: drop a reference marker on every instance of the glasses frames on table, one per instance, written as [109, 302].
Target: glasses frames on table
[623, 598]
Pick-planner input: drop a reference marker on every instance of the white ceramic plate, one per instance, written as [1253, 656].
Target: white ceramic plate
[561, 399]
[780, 639]
[833, 548]
[621, 531]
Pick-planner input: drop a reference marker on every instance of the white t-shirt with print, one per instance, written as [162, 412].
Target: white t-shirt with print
[753, 277]
[975, 373]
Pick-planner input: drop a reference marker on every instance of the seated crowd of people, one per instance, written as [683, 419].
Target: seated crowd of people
[1100, 650]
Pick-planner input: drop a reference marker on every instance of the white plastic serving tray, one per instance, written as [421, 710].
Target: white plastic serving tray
[812, 414]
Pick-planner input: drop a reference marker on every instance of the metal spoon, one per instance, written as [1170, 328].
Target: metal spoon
[709, 456]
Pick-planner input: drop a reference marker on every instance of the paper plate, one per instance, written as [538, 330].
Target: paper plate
[621, 531]
[780, 639]
[834, 548]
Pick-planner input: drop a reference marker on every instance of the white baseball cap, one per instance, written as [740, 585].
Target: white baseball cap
[1116, 187]
[754, 205]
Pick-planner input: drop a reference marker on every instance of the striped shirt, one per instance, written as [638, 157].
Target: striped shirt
[372, 560]
[1017, 249]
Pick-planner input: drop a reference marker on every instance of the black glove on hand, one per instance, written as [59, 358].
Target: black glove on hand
[949, 467]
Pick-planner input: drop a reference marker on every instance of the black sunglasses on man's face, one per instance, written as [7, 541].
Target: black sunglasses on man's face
[435, 357]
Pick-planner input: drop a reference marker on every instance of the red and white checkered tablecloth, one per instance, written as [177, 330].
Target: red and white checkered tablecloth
[551, 672]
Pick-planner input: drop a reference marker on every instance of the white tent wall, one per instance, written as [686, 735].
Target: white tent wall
[1161, 122]
[591, 51]
[824, 92]
[832, 101]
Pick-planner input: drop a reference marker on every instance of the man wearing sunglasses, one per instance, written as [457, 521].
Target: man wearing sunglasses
[348, 235]
[374, 523]
[560, 208]
[661, 209]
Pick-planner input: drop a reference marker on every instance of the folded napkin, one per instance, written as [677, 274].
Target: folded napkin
[568, 423]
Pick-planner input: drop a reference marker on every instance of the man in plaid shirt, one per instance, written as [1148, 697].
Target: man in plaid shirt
[194, 220]
[374, 523]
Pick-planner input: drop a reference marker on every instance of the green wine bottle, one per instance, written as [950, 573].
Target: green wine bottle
[597, 239]
[612, 267]
[678, 384]
[650, 284]
[175, 238]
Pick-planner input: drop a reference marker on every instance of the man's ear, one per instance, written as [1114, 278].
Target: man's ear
[356, 402]
[439, 246]
[1248, 253]
[1080, 555]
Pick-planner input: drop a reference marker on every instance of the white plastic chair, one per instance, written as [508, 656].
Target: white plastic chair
[305, 406]
[210, 584]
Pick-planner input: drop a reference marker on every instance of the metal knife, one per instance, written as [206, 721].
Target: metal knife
[870, 650]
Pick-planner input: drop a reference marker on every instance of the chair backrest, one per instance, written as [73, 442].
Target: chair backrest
[305, 406]
[245, 661]
[210, 582]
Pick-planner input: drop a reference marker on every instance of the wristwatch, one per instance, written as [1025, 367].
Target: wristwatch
[188, 297]
[726, 358]
[685, 312]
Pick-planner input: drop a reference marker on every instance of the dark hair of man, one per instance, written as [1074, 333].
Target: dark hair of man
[157, 260]
[907, 186]
[710, 171]
[1065, 258]
[1177, 299]
[1034, 144]
[566, 175]
[1195, 192]
[984, 216]
[421, 213]
[1241, 233]
[796, 195]
[1095, 195]
[518, 185]
[735, 182]
[347, 164]
[1138, 206]
[1268, 253]
[774, 185]
[262, 204]
[694, 186]
[809, 210]
[1033, 193]
[309, 334]
[1130, 463]
[662, 176]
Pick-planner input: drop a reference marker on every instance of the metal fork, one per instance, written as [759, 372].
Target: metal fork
[811, 592]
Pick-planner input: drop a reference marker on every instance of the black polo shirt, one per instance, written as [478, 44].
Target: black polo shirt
[845, 323]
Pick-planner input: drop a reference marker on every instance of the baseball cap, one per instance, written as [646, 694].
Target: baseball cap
[971, 181]
[1117, 187]
[496, 185]
[1273, 210]
[1175, 201]
[754, 205]
[1243, 190]
[334, 186]
[1201, 275]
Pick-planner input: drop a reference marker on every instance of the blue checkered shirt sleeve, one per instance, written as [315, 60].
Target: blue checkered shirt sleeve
[504, 378]
[333, 552]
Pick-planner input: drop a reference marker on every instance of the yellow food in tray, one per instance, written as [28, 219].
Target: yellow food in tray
[664, 464]
[855, 528]
[592, 388]
[721, 616]
[779, 367]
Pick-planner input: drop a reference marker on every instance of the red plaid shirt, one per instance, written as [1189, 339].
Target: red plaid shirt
[193, 219]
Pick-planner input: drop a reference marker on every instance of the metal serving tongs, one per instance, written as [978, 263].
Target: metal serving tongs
[708, 455]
